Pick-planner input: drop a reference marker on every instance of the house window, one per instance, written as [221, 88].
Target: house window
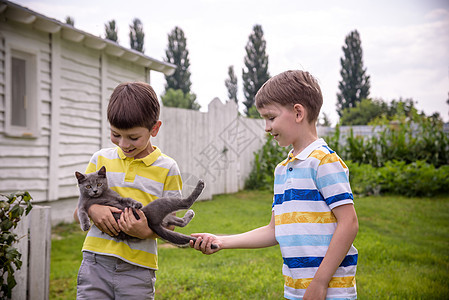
[21, 94]
[18, 92]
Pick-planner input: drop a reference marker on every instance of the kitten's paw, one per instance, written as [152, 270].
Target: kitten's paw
[85, 227]
[137, 205]
[189, 214]
[200, 184]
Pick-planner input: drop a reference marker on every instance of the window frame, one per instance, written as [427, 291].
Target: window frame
[31, 57]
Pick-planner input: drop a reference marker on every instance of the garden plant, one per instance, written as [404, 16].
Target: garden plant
[12, 209]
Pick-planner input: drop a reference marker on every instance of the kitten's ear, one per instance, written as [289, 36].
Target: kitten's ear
[80, 177]
[102, 171]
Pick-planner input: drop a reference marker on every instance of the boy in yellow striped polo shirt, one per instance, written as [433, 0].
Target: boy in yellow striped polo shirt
[125, 269]
[313, 217]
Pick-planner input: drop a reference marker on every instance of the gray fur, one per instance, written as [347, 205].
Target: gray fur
[94, 190]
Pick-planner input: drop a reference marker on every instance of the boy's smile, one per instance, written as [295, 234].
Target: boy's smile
[134, 142]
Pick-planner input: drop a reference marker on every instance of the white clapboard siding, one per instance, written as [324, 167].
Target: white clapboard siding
[80, 113]
[25, 164]
[76, 73]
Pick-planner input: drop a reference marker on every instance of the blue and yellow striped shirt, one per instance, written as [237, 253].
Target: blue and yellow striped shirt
[306, 189]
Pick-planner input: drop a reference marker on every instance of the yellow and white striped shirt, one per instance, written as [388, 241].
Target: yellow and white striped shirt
[144, 180]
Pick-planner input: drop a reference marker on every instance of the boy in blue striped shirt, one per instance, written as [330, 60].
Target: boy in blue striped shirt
[313, 216]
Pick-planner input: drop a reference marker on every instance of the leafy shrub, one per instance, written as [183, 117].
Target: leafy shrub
[405, 160]
[364, 178]
[265, 161]
[397, 177]
[11, 211]
[423, 140]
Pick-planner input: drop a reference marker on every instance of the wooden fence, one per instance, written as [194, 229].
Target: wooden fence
[217, 146]
[33, 278]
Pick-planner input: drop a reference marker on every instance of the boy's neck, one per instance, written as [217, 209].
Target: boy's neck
[310, 136]
[145, 153]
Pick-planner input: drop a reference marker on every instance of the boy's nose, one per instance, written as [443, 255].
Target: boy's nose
[123, 144]
[267, 127]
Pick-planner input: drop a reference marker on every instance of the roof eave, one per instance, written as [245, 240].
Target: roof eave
[23, 15]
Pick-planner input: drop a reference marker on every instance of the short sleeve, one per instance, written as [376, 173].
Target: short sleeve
[92, 166]
[173, 182]
[332, 179]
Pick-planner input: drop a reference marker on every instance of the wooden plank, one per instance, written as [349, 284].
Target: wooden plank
[19, 292]
[39, 256]
[104, 138]
[14, 172]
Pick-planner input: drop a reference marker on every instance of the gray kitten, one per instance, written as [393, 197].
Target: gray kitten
[94, 190]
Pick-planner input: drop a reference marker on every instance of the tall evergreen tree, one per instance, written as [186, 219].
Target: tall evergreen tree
[231, 85]
[178, 55]
[176, 98]
[447, 101]
[355, 83]
[69, 21]
[111, 30]
[136, 35]
[324, 120]
[256, 63]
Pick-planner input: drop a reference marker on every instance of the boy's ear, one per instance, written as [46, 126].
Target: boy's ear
[156, 128]
[300, 112]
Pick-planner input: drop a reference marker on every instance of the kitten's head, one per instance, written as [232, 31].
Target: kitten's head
[92, 184]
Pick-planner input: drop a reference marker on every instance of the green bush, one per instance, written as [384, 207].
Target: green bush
[401, 159]
[423, 140]
[265, 161]
[364, 179]
[12, 209]
[416, 179]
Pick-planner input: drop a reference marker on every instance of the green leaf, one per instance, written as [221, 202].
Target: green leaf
[6, 224]
[28, 209]
[16, 211]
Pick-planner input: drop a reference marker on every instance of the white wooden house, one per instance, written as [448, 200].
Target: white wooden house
[55, 82]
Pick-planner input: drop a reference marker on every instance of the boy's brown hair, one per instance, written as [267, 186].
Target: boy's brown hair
[133, 104]
[290, 88]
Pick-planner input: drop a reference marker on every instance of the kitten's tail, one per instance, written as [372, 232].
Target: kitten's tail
[175, 237]
[196, 192]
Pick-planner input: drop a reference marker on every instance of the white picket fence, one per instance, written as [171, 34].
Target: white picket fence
[33, 278]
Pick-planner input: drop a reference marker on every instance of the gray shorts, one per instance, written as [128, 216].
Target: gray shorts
[107, 277]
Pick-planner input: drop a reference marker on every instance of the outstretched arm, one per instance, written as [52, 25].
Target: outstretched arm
[258, 238]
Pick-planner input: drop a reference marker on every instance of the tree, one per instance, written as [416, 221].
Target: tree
[447, 101]
[178, 55]
[363, 113]
[111, 31]
[355, 84]
[256, 63]
[231, 85]
[379, 112]
[324, 120]
[177, 98]
[69, 21]
[136, 35]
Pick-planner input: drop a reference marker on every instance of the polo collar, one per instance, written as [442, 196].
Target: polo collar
[304, 154]
[147, 160]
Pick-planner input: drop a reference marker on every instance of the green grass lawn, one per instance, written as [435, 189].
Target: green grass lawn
[403, 248]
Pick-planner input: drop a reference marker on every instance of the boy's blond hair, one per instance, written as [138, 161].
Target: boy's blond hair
[292, 87]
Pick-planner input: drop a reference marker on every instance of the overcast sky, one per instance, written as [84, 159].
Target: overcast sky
[405, 42]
